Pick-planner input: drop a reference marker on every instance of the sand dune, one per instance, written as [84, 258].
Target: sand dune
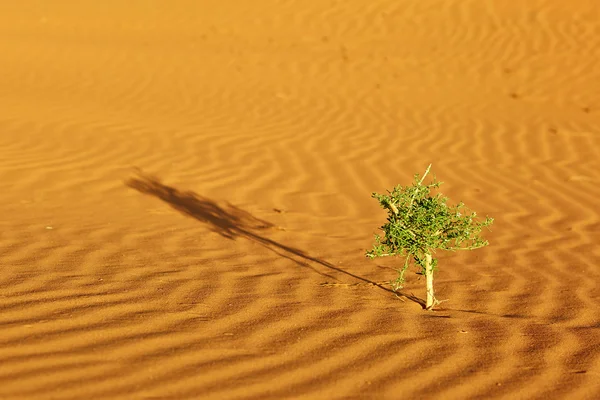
[186, 200]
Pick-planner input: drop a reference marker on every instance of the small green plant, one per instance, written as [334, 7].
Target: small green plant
[419, 223]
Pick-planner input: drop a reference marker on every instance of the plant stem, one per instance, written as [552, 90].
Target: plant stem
[425, 174]
[415, 192]
[429, 277]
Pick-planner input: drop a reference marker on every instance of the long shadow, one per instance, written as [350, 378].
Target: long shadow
[232, 222]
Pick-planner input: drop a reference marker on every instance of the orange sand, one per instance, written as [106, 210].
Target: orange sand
[186, 200]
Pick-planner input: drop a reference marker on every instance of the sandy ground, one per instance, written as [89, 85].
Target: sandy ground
[186, 198]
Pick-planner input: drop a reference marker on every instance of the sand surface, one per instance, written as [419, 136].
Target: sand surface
[186, 185]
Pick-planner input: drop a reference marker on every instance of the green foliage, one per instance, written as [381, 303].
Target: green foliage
[419, 223]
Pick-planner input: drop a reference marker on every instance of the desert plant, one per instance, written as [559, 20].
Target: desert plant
[419, 223]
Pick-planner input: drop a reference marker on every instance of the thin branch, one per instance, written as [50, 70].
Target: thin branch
[425, 174]
[420, 182]
[464, 248]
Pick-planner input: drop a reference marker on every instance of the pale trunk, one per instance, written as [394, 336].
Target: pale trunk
[429, 276]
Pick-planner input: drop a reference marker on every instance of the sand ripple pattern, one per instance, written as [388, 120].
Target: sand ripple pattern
[186, 198]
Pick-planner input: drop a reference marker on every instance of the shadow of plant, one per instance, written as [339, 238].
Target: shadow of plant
[232, 222]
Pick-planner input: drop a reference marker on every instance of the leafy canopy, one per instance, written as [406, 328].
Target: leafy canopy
[419, 223]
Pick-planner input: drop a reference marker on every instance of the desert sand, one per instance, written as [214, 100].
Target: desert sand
[186, 198]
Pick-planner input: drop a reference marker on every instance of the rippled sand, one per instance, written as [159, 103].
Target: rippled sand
[186, 198]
